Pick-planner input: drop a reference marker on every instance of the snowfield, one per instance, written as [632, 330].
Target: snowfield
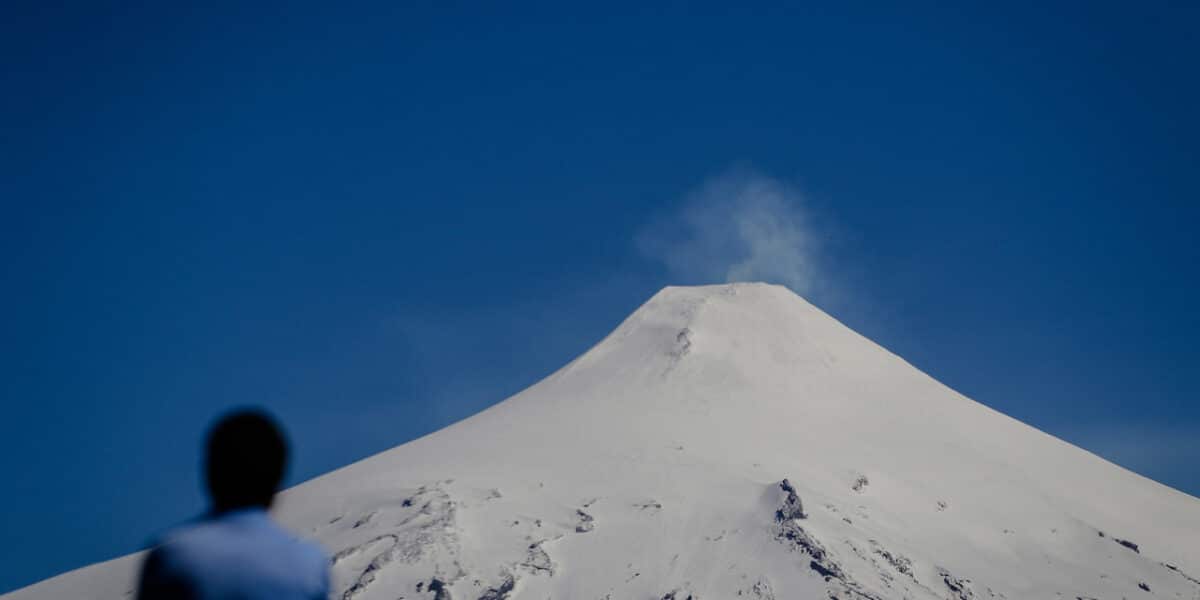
[731, 442]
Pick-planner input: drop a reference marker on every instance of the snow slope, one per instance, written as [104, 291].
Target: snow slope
[654, 467]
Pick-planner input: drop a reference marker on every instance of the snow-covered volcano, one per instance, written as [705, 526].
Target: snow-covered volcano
[734, 442]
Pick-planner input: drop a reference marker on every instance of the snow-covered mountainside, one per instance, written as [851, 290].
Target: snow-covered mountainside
[734, 442]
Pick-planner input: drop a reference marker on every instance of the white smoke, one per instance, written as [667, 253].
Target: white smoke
[740, 226]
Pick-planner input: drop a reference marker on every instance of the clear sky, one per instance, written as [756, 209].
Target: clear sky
[376, 220]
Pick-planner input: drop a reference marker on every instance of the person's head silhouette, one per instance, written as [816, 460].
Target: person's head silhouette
[245, 460]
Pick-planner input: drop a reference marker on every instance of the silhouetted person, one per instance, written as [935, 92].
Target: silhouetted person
[237, 551]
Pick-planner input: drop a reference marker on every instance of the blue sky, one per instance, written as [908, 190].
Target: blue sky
[376, 220]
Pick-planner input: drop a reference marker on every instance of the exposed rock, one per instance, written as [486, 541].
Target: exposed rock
[360, 548]
[537, 560]
[650, 505]
[860, 483]
[792, 507]
[960, 588]
[586, 522]
[901, 563]
[683, 345]
[500, 592]
[679, 595]
[1181, 573]
[1127, 544]
[796, 537]
[762, 590]
[841, 590]
[363, 520]
[439, 589]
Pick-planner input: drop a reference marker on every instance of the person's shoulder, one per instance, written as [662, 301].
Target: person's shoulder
[203, 538]
[247, 532]
[313, 552]
[304, 548]
[183, 534]
[308, 557]
[310, 550]
[179, 550]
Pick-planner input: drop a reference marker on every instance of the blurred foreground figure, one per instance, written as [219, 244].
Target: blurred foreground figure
[237, 551]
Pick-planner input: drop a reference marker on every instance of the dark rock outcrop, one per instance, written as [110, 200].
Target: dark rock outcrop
[586, 522]
[959, 588]
[500, 592]
[792, 507]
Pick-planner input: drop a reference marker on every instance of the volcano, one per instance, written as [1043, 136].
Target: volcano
[728, 442]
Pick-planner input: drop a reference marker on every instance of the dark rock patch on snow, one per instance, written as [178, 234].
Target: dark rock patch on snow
[353, 550]
[793, 535]
[439, 589]
[363, 520]
[537, 560]
[899, 562]
[586, 522]
[761, 590]
[792, 507]
[650, 505]
[959, 588]
[500, 592]
[860, 483]
[1181, 573]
